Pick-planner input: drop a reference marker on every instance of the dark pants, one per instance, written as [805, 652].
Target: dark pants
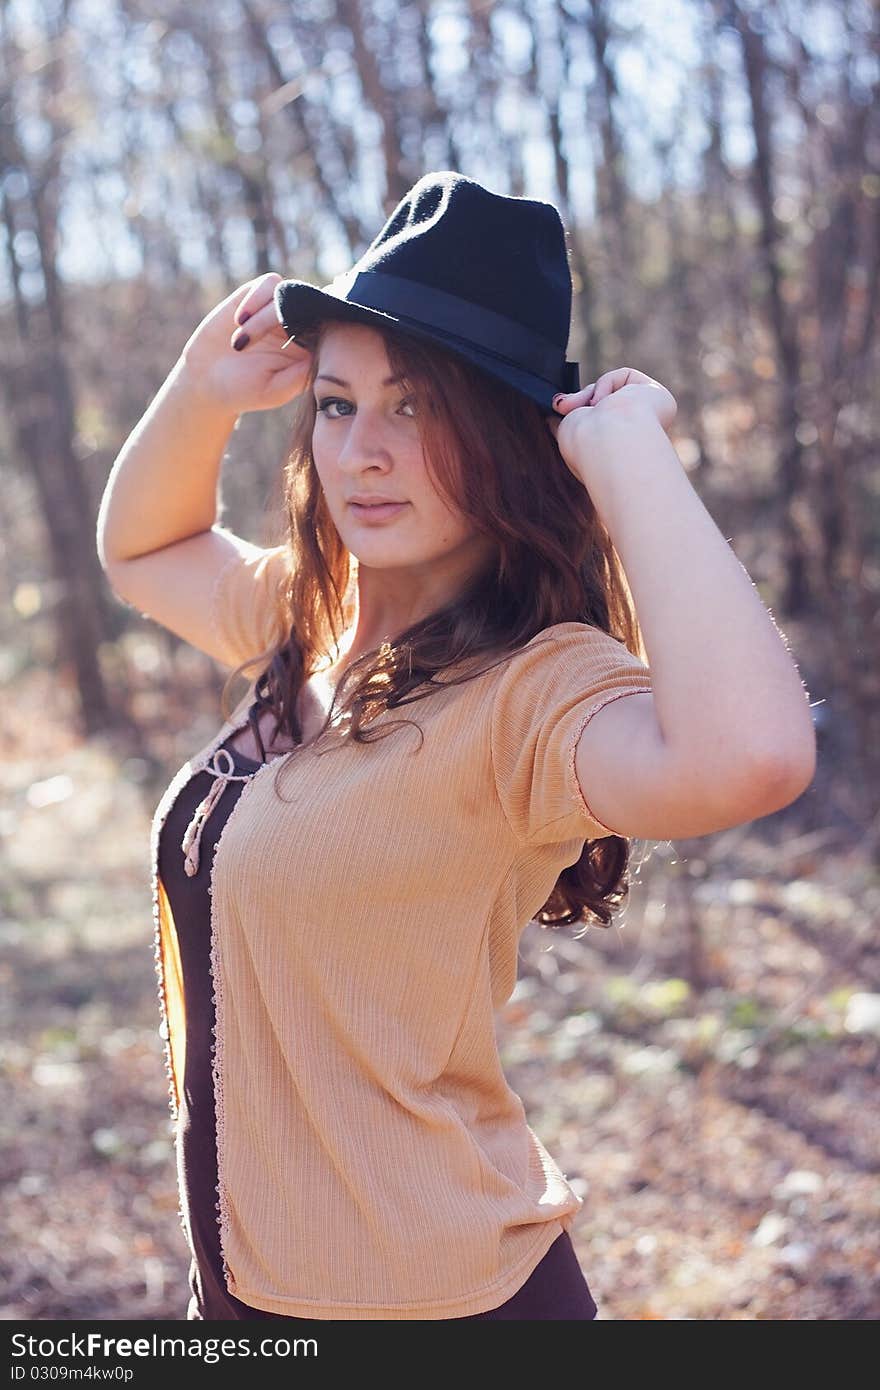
[555, 1289]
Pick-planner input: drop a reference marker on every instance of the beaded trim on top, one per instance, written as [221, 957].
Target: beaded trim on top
[216, 970]
[207, 759]
[169, 796]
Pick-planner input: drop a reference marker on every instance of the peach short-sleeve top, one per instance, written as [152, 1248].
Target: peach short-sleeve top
[373, 1160]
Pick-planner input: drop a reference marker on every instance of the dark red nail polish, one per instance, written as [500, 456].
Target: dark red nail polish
[243, 316]
[241, 341]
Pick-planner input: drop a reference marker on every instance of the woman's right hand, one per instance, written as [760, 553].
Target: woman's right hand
[262, 375]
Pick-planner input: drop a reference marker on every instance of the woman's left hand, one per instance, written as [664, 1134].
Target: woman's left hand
[619, 390]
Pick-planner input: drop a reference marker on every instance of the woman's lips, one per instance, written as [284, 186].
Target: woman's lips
[380, 512]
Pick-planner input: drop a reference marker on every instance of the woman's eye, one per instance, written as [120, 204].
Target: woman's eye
[324, 405]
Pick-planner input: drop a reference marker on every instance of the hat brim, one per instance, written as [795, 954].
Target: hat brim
[299, 306]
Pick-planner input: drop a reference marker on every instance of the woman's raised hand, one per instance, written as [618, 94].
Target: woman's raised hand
[261, 375]
[622, 390]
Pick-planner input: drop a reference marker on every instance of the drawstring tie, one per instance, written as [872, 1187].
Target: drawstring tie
[190, 842]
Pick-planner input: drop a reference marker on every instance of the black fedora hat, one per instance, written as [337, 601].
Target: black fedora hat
[483, 274]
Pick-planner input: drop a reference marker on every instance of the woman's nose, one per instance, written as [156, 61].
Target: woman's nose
[365, 438]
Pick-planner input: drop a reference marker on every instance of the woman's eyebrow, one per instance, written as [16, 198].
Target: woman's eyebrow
[325, 376]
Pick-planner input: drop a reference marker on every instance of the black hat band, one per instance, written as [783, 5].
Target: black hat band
[460, 318]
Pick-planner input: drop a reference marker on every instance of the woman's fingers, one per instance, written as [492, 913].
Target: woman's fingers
[259, 295]
[613, 381]
[661, 400]
[257, 323]
[597, 390]
[564, 403]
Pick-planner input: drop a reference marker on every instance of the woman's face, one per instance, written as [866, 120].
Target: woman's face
[366, 443]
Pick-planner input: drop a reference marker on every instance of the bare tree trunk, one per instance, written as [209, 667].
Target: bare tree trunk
[839, 298]
[434, 116]
[38, 401]
[685, 311]
[546, 77]
[304, 156]
[378, 97]
[718, 211]
[612, 197]
[791, 465]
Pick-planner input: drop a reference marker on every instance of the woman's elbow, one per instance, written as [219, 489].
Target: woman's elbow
[782, 778]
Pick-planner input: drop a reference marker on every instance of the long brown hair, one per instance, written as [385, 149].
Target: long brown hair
[490, 453]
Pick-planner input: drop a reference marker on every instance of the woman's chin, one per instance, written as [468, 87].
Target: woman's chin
[380, 547]
[376, 556]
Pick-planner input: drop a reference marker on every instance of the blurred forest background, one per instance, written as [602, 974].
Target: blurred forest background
[706, 1070]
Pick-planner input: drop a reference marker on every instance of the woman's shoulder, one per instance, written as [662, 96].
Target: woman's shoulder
[564, 659]
[572, 629]
[572, 635]
[561, 654]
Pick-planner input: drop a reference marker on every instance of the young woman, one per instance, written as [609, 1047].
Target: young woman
[433, 751]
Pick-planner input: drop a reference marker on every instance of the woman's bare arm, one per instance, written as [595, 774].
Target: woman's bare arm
[163, 485]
